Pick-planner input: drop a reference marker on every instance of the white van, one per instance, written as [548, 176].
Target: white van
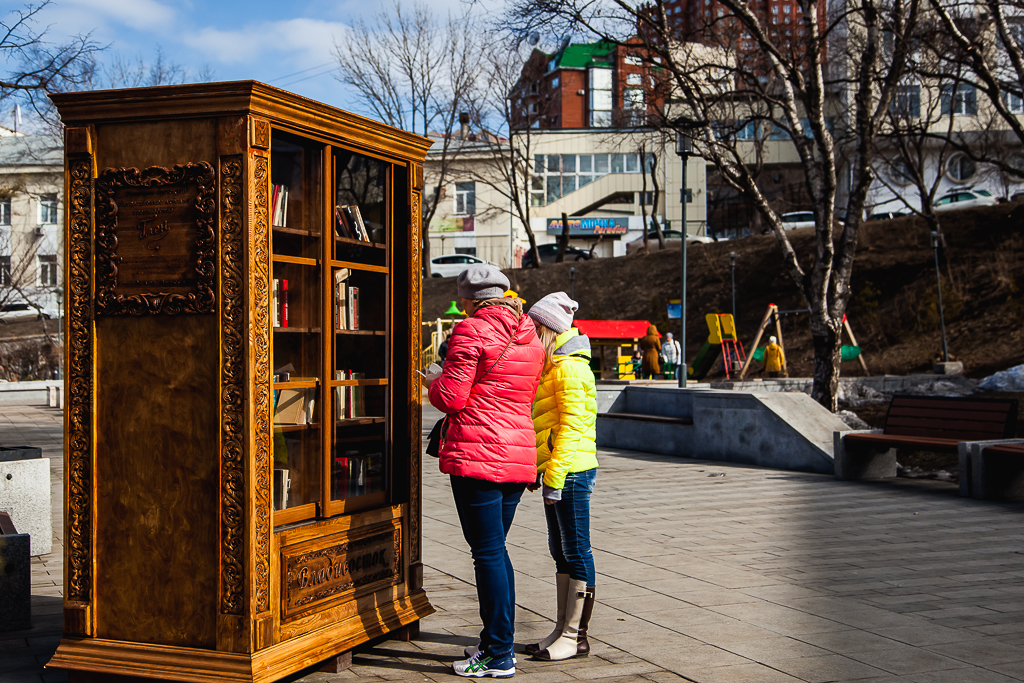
[798, 219]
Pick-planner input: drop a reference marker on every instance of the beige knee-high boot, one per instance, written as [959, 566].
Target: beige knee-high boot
[562, 588]
[566, 646]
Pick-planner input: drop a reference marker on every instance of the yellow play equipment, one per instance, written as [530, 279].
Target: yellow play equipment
[722, 340]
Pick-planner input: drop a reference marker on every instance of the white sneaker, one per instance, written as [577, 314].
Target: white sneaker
[480, 665]
[471, 651]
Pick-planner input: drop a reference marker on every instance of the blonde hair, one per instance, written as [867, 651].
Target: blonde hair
[548, 337]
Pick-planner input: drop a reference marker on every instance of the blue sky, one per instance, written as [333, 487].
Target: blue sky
[285, 44]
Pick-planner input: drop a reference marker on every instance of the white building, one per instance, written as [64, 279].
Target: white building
[31, 219]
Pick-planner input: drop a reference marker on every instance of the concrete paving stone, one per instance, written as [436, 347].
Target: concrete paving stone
[646, 603]
[981, 652]
[692, 657]
[683, 619]
[770, 649]
[609, 671]
[958, 676]
[1013, 669]
[741, 673]
[1015, 626]
[779, 619]
[906, 659]
[927, 633]
[827, 668]
[950, 612]
[716, 596]
[961, 622]
[727, 633]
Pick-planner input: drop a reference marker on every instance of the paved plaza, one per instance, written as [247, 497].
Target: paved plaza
[706, 572]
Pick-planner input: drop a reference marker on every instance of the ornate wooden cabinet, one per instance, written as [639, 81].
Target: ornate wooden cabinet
[243, 422]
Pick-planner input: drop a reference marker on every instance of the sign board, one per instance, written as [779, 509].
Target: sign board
[590, 227]
[320, 573]
[674, 309]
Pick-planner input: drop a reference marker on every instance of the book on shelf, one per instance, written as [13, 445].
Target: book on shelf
[355, 222]
[275, 312]
[279, 306]
[341, 226]
[294, 407]
[350, 400]
[363, 234]
[346, 301]
[279, 206]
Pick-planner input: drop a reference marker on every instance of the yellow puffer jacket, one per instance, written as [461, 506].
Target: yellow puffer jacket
[565, 411]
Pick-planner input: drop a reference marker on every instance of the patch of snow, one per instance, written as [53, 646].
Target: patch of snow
[852, 420]
[1007, 380]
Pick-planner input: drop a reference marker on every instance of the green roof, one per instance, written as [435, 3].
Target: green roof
[582, 56]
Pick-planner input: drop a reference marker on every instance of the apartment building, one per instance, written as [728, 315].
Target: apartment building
[31, 219]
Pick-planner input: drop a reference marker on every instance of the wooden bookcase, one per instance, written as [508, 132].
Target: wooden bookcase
[242, 418]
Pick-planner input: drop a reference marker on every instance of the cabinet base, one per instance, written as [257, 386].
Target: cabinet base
[95, 660]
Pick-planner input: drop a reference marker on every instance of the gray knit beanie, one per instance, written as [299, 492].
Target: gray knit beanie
[482, 281]
[554, 311]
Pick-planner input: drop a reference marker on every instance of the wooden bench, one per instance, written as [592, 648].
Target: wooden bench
[992, 470]
[927, 423]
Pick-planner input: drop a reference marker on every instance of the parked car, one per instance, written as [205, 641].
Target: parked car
[23, 311]
[885, 215]
[797, 219]
[548, 253]
[964, 199]
[450, 265]
[673, 240]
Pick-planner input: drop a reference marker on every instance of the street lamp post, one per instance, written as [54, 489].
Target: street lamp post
[59, 293]
[572, 283]
[732, 267]
[937, 241]
[684, 146]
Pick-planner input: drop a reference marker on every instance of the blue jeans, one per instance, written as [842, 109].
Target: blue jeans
[569, 527]
[486, 510]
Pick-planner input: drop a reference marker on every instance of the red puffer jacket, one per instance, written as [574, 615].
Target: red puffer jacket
[490, 428]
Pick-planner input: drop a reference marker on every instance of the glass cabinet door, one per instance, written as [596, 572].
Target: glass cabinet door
[361, 359]
[296, 201]
[331, 305]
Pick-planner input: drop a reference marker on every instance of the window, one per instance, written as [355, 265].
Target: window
[907, 102]
[5, 212]
[48, 209]
[633, 98]
[646, 198]
[963, 102]
[634, 79]
[5, 271]
[961, 168]
[468, 251]
[48, 271]
[786, 9]
[1013, 102]
[600, 97]
[775, 9]
[899, 172]
[632, 60]
[554, 82]
[465, 199]
[557, 175]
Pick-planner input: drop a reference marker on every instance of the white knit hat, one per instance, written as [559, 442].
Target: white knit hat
[554, 311]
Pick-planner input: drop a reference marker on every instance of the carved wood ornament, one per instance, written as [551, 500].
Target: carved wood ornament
[156, 243]
[233, 319]
[79, 379]
[259, 343]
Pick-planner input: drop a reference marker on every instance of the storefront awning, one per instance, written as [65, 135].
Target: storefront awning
[614, 329]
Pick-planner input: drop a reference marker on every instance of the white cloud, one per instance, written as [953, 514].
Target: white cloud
[301, 42]
[138, 14]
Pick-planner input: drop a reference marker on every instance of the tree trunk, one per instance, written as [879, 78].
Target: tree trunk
[563, 240]
[826, 365]
[654, 207]
[643, 199]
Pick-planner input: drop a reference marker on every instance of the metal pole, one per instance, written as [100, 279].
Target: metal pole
[936, 241]
[732, 266]
[572, 283]
[682, 302]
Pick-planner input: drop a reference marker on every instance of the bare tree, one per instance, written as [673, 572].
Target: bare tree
[823, 84]
[416, 70]
[506, 158]
[35, 66]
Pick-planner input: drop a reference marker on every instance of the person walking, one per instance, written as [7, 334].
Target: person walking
[565, 419]
[774, 359]
[650, 345]
[486, 389]
[670, 353]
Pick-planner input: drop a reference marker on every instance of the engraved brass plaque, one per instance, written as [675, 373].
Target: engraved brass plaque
[155, 240]
[324, 572]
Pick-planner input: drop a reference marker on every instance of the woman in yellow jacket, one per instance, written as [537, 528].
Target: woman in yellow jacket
[565, 419]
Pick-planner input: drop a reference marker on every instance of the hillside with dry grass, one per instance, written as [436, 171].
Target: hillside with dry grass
[893, 311]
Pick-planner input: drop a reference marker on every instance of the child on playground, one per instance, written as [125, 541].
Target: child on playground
[565, 419]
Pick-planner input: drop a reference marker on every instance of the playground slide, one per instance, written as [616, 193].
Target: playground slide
[705, 360]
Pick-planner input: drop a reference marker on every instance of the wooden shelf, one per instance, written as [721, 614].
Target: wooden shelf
[359, 243]
[296, 231]
[379, 333]
[295, 428]
[356, 439]
[297, 260]
[302, 330]
[381, 382]
[355, 421]
[359, 266]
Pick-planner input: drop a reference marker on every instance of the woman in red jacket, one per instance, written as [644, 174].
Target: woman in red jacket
[487, 387]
